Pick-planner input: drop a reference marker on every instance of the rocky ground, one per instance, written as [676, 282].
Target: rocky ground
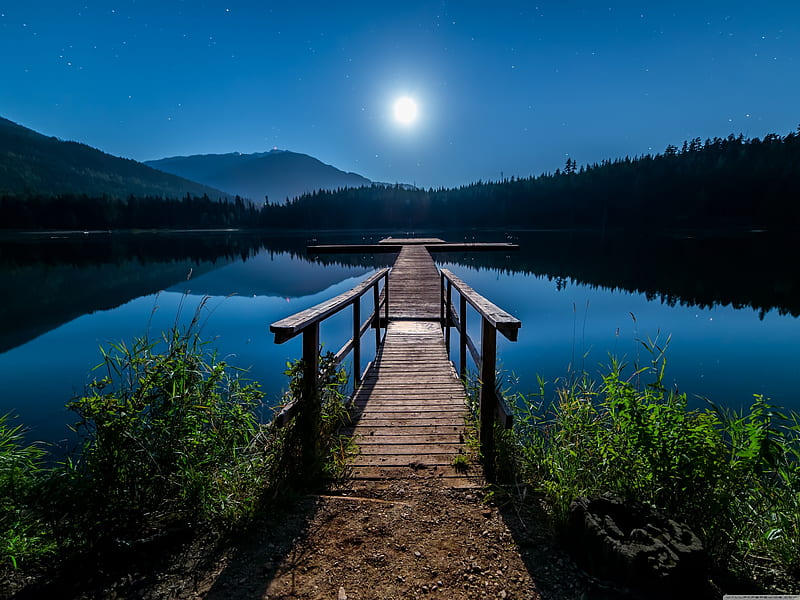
[407, 539]
[411, 539]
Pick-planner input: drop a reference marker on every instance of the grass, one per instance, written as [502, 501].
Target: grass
[170, 435]
[461, 463]
[169, 439]
[734, 477]
[331, 450]
[23, 534]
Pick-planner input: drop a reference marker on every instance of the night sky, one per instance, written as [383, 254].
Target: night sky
[510, 88]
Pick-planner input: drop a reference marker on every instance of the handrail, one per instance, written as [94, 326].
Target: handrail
[307, 322]
[493, 319]
[504, 417]
[505, 323]
[287, 328]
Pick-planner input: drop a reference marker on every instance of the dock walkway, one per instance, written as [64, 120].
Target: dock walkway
[410, 407]
[396, 528]
[409, 410]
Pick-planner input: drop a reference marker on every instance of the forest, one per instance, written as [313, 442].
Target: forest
[732, 182]
[75, 212]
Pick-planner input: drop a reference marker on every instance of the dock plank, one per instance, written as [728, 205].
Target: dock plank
[414, 286]
[408, 412]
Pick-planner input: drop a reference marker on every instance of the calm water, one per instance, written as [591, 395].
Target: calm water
[721, 353]
[62, 299]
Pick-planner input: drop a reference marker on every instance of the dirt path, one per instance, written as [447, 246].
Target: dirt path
[410, 540]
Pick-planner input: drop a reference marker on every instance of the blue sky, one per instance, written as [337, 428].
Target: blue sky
[506, 87]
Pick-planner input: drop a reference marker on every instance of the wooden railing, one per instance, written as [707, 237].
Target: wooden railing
[493, 319]
[307, 323]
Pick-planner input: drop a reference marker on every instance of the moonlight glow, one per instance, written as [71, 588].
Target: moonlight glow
[405, 110]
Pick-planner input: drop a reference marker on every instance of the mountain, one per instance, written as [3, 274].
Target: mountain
[31, 163]
[278, 174]
[269, 274]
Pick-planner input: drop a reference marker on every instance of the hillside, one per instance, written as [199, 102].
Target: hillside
[278, 174]
[34, 164]
[732, 182]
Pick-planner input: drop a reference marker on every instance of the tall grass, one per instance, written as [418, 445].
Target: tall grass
[170, 434]
[330, 449]
[734, 477]
[23, 533]
[170, 437]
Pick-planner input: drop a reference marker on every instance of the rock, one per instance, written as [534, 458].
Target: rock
[635, 546]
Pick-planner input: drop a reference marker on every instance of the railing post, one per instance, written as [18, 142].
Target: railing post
[462, 340]
[488, 397]
[447, 309]
[357, 340]
[308, 417]
[441, 300]
[376, 315]
[385, 297]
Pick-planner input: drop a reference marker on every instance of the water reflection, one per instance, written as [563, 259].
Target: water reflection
[717, 352]
[741, 270]
[575, 293]
[61, 302]
[47, 281]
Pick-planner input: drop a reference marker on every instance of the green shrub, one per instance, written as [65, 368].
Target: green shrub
[329, 449]
[170, 436]
[23, 534]
[735, 478]
[169, 433]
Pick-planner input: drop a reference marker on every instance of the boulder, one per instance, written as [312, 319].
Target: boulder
[636, 547]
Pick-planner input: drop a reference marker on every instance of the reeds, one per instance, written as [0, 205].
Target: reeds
[169, 439]
[734, 477]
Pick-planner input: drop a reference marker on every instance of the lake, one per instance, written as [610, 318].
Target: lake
[730, 305]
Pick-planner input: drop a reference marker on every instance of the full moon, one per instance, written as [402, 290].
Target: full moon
[405, 110]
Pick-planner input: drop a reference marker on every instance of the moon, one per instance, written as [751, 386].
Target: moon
[405, 110]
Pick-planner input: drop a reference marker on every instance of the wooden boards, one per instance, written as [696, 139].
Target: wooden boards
[414, 286]
[395, 246]
[504, 322]
[410, 241]
[409, 411]
[287, 328]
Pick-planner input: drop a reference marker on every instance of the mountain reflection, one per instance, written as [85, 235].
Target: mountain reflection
[49, 281]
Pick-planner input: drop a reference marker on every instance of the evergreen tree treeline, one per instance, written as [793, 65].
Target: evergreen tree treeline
[721, 182]
[68, 211]
[730, 182]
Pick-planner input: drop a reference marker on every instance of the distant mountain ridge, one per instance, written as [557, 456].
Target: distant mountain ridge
[277, 174]
[34, 164]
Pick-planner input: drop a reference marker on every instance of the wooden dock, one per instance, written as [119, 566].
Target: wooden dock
[414, 286]
[409, 409]
[390, 245]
